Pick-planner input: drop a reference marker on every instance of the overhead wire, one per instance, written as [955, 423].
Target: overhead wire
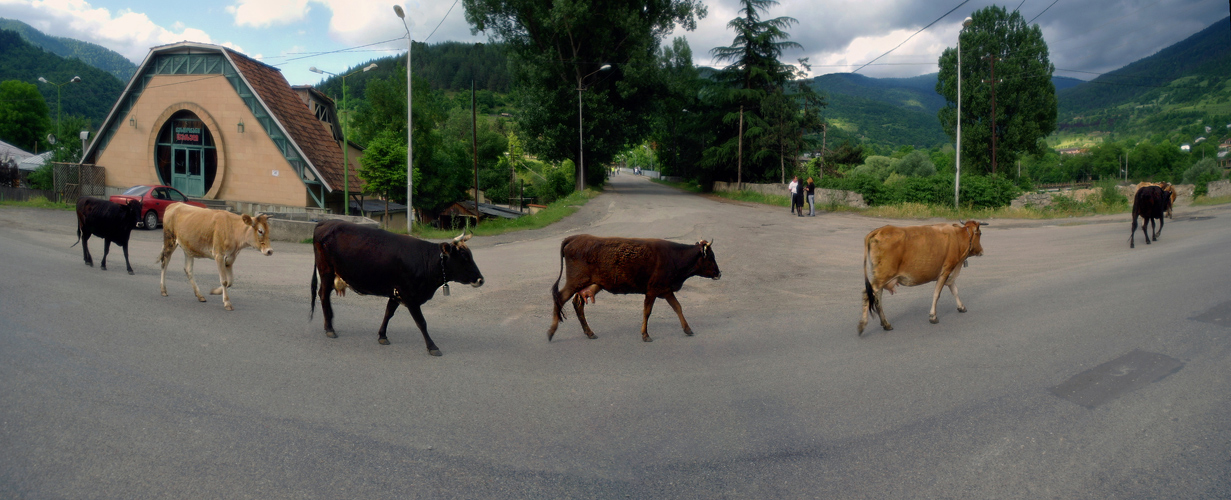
[964, 2]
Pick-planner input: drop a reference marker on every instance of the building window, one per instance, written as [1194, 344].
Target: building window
[186, 156]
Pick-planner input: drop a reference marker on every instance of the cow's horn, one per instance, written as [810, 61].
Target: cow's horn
[459, 239]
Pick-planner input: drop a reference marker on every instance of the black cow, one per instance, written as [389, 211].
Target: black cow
[109, 221]
[373, 261]
[656, 268]
[1150, 203]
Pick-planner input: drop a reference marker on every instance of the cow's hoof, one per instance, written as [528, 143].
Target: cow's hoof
[550, 335]
[646, 339]
[89, 264]
[228, 307]
[688, 332]
[382, 341]
[434, 352]
[961, 309]
[591, 336]
[164, 294]
[331, 334]
[933, 320]
[200, 299]
[887, 327]
[130, 272]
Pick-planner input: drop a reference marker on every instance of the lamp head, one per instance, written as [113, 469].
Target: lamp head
[370, 67]
[314, 70]
[75, 79]
[605, 67]
[397, 9]
[44, 80]
[966, 23]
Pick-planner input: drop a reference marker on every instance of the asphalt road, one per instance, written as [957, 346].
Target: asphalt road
[1084, 369]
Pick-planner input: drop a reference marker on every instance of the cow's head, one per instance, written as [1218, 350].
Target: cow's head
[458, 262]
[971, 228]
[707, 266]
[260, 233]
[132, 213]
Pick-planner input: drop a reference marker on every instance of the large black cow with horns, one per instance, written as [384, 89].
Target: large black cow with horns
[372, 261]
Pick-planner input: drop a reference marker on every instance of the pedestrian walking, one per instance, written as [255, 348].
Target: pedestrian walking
[810, 192]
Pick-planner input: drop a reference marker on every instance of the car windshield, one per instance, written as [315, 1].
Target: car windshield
[137, 190]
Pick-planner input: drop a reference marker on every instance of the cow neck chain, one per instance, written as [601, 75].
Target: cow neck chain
[444, 274]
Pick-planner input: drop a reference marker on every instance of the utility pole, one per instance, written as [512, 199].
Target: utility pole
[992, 81]
[474, 143]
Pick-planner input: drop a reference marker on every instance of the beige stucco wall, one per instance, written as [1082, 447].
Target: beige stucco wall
[247, 162]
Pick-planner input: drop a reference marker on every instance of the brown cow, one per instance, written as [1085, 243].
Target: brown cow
[915, 255]
[1167, 188]
[210, 234]
[656, 268]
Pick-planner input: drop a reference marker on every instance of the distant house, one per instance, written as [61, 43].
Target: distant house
[389, 214]
[1199, 140]
[11, 152]
[217, 124]
[1186, 147]
[453, 215]
[1073, 151]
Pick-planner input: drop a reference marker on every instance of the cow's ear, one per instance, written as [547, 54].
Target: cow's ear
[446, 249]
[247, 219]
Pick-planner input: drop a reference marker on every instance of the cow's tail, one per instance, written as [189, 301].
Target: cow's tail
[312, 307]
[78, 236]
[556, 303]
[867, 285]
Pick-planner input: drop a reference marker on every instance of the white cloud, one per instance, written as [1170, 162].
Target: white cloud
[127, 32]
[262, 13]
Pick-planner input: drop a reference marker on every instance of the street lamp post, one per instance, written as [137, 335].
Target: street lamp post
[581, 153]
[345, 139]
[957, 178]
[59, 109]
[410, 143]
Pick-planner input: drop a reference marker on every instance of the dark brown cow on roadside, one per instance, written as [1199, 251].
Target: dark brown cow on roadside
[1168, 188]
[1149, 203]
[109, 221]
[210, 234]
[915, 255]
[654, 267]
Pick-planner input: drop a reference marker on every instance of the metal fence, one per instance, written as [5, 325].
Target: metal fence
[72, 181]
[24, 194]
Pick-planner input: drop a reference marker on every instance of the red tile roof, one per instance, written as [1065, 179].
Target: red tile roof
[304, 129]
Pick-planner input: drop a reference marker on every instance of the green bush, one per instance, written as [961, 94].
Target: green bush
[977, 191]
[1202, 167]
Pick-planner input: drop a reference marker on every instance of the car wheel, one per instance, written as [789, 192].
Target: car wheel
[151, 220]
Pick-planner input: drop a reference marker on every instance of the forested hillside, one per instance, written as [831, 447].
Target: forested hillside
[89, 53]
[91, 98]
[1180, 87]
[446, 66]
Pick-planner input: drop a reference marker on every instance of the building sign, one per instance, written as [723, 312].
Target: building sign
[190, 133]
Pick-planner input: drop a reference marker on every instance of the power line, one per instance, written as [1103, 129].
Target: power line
[964, 2]
[1041, 13]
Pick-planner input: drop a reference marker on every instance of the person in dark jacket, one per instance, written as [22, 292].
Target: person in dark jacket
[810, 192]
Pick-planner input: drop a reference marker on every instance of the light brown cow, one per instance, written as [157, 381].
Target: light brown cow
[1167, 188]
[210, 234]
[915, 255]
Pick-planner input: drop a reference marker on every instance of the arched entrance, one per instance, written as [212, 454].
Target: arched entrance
[187, 157]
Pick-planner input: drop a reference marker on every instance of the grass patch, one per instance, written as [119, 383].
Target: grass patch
[37, 202]
[555, 211]
[1206, 200]
[754, 197]
[690, 186]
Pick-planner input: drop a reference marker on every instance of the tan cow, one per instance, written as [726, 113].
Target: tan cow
[210, 234]
[915, 255]
[1167, 188]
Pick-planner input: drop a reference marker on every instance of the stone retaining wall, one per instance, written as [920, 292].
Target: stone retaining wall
[1219, 188]
[823, 196]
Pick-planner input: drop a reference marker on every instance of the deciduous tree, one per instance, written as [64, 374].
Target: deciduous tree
[1025, 98]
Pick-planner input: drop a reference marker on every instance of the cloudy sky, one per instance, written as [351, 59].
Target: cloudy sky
[1086, 37]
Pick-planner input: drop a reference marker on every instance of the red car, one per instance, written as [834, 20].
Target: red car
[154, 202]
